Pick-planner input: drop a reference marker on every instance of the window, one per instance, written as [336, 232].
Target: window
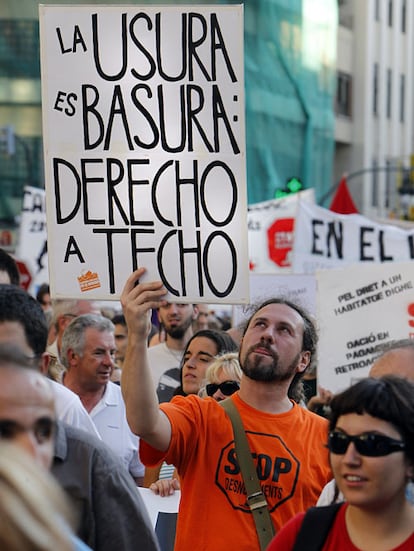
[402, 98]
[388, 177]
[403, 16]
[390, 13]
[19, 48]
[375, 89]
[389, 83]
[374, 189]
[343, 94]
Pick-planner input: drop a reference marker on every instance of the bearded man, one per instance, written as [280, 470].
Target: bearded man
[165, 358]
[287, 442]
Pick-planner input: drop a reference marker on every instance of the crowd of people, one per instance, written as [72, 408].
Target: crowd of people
[105, 401]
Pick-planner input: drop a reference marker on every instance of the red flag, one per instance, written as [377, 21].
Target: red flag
[342, 202]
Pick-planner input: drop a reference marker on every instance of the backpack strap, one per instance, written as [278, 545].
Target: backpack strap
[255, 497]
[315, 527]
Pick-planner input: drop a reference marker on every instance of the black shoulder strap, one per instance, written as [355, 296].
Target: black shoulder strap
[315, 527]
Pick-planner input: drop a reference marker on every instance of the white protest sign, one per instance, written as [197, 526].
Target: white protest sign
[360, 308]
[324, 239]
[143, 125]
[163, 513]
[271, 226]
[300, 289]
[156, 504]
[32, 247]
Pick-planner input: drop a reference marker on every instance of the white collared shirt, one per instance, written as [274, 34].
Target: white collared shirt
[70, 409]
[109, 416]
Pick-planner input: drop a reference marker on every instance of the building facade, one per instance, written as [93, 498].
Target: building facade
[374, 111]
[290, 85]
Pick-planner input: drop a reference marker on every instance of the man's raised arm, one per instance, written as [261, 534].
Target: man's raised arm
[143, 414]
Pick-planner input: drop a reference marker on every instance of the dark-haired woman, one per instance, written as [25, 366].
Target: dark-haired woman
[371, 445]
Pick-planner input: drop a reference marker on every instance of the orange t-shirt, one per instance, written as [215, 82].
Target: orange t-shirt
[288, 449]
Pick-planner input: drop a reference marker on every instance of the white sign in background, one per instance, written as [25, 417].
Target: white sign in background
[324, 239]
[143, 125]
[32, 245]
[298, 288]
[359, 309]
[271, 226]
[156, 504]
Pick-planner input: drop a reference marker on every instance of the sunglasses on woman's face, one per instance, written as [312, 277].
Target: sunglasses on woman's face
[369, 444]
[227, 388]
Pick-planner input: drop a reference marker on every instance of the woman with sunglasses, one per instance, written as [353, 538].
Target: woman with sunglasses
[371, 445]
[222, 377]
[200, 351]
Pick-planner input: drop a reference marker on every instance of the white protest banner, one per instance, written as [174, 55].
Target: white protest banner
[324, 239]
[143, 125]
[360, 308]
[301, 289]
[163, 513]
[32, 246]
[271, 227]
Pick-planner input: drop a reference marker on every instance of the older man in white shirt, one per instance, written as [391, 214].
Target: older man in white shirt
[87, 353]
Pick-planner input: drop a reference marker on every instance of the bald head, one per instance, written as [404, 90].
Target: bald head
[27, 411]
[396, 361]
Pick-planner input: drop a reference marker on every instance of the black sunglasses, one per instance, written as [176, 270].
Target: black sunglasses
[227, 388]
[369, 444]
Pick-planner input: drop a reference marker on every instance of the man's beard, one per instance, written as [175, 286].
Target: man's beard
[178, 331]
[262, 369]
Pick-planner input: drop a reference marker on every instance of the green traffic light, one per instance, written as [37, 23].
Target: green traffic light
[294, 185]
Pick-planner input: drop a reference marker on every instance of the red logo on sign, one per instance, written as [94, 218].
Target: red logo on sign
[25, 275]
[411, 314]
[280, 241]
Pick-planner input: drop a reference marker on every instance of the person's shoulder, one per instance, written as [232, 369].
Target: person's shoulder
[156, 348]
[195, 401]
[85, 445]
[61, 392]
[70, 409]
[310, 416]
[86, 441]
[193, 406]
[74, 441]
[327, 496]
[81, 436]
[90, 463]
[286, 537]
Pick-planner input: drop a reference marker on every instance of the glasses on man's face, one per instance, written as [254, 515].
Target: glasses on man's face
[227, 388]
[43, 429]
[369, 444]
